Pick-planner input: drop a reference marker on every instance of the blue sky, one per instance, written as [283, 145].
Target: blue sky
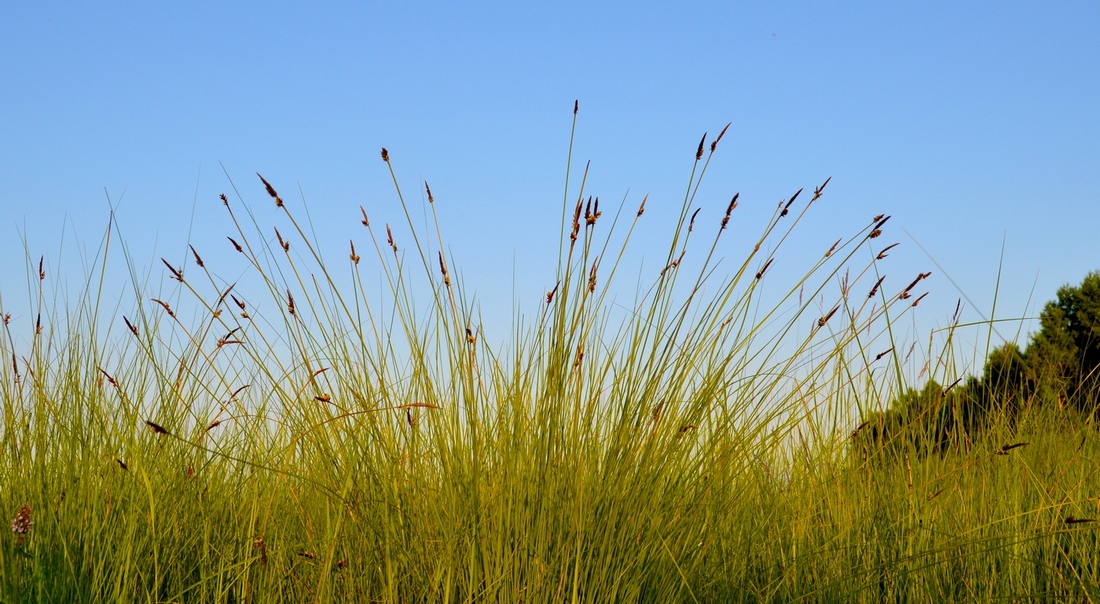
[969, 123]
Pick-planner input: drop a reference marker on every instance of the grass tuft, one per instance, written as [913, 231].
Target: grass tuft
[706, 444]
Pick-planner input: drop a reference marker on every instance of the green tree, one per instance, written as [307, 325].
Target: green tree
[1065, 353]
[1060, 367]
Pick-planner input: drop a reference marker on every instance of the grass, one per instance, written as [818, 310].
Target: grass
[295, 442]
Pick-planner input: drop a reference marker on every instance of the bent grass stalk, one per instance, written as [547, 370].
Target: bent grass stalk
[297, 441]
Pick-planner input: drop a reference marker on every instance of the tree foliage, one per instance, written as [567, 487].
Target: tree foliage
[1059, 369]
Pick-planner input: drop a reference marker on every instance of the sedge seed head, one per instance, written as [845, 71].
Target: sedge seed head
[22, 523]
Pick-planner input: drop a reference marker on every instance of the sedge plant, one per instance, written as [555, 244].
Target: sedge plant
[293, 435]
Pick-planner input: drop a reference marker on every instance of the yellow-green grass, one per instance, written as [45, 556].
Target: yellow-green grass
[297, 442]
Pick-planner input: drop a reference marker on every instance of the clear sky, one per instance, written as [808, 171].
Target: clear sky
[969, 123]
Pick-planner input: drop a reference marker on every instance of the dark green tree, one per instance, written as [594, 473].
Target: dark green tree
[1059, 368]
[1065, 353]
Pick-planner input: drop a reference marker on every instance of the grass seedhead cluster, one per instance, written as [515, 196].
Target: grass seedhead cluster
[295, 434]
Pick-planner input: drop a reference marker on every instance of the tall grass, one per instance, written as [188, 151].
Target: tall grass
[295, 441]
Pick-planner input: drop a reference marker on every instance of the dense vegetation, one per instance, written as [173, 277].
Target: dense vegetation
[1057, 374]
[294, 441]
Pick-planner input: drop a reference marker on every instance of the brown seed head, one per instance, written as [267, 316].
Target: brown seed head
[714, 145]
[949, 388]
[225, 200]
[236, 245]
[729, 208]
[590, 219]
[592, 276]
[817, 191]
[156, 428]
[833, 248]
[576, 222]
[1005, 449]
[258, 543]
[389, 239]
[443, 269]
[823, 320]
[283, 244]
[110, 380]
[176, 274]
[354, 256]
[22, 523]
[789, 202]
[385, 155]
[429, 190]
[198, 260]
[1072, 520]
[874, 290]
[289, 302]
[129, 325]
[917, 301]
[41, 272]
[920, 277]
[882, 254]
[576, 105]
[167, 309]
[365, 222]
[550, 294]
[760, 275]
[874, 234]
[224, 294]
[699, 152]
[641, 208]
[267, 185]
[691, 223]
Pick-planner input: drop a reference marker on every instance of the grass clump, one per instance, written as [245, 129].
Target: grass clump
[296, 442]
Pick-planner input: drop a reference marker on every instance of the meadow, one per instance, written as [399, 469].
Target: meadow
[293, 436]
